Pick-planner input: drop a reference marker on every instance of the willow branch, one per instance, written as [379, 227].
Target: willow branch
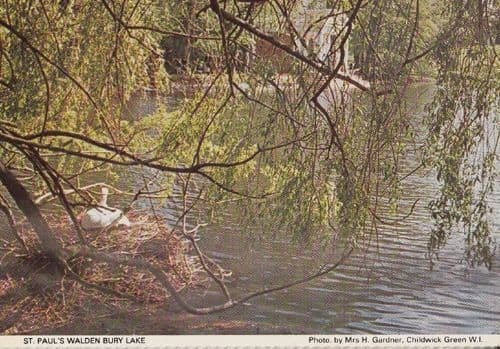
[288, 49]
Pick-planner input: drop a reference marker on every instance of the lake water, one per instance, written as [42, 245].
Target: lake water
[386, 288]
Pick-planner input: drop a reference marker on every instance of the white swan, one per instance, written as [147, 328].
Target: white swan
[103, 216]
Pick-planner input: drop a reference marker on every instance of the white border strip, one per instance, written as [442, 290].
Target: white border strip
[251, 341]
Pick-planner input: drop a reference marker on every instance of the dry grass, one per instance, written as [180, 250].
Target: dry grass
[36, 294]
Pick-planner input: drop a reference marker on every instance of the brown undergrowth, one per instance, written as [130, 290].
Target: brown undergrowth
[38, 294]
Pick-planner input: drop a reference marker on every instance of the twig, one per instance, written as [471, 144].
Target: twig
[4, 207]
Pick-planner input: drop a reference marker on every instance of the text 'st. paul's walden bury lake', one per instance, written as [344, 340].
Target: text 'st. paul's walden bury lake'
[85, 340]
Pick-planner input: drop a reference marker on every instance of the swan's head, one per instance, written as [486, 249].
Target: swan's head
[104, 190]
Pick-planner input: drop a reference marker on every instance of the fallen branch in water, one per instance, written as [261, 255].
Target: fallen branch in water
[161, 278]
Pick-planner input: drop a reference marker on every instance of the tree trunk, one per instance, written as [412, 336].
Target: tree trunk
[25, 203]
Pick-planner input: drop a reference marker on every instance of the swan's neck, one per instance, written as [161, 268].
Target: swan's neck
[104, 200]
